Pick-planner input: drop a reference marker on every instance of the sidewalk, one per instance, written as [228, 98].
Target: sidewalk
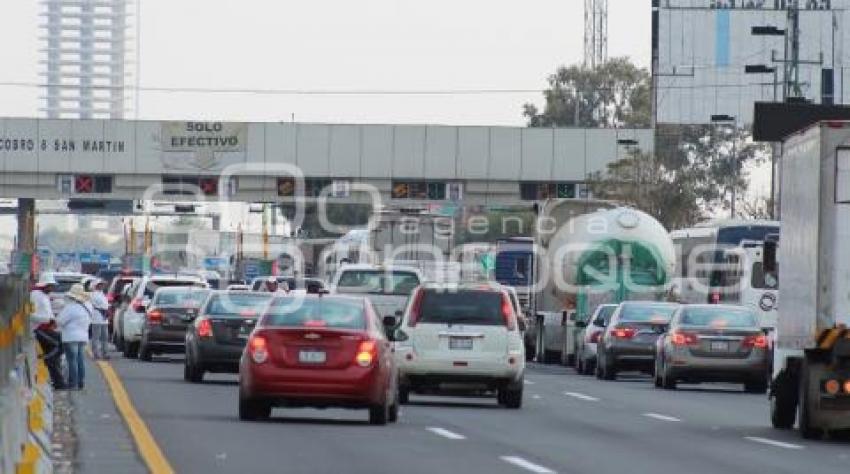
[103, 441]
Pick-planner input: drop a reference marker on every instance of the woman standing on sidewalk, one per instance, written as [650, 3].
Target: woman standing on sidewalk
[74, 320]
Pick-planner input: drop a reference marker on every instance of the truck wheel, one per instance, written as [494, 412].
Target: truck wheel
[783, 402]
[807, 431]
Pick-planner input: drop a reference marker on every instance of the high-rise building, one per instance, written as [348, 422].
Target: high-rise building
[85, 63]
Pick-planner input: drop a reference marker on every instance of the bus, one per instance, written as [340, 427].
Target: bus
[722, 262]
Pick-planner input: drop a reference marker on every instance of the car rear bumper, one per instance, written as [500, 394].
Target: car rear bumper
[161, 337]
[500, 369]
[353, 386]
[218, 357]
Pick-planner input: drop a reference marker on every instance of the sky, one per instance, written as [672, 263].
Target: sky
[340, 45]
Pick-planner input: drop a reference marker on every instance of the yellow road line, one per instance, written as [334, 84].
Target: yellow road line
[148, 448]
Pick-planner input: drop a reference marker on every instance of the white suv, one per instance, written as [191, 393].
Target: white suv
[461, 338]
[132, 318]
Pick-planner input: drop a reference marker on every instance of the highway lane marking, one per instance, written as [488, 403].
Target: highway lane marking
[445, 433]
[661, 417]
[148, 449]
[581, 396]
[529, 382]
[770, 442]
[527, 465]
[536, 397]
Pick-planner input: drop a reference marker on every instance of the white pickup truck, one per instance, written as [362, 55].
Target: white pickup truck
[387, 286]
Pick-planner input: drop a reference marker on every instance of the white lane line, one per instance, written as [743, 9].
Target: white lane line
[581, 396]
[661, 417]
[770, 442]
[529, 382]
[445, 433]
[527, 465]
[536, 397]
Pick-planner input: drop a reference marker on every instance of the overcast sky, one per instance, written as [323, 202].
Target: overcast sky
[340, 45]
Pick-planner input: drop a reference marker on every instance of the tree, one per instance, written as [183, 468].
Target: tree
[688, 179]
[647, 183]
[614, 94]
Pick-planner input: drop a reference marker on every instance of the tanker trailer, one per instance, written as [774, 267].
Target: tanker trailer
[606, 256]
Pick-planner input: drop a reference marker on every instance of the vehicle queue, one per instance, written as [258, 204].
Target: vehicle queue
[378, 334]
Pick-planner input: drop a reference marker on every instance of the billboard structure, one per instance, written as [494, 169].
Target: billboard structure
[702, 50]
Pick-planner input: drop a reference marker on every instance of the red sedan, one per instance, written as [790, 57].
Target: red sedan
[319, 351]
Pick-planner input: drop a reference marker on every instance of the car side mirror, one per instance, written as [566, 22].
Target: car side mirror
[523, 326]
[399, 336]
[390, 322]
[581, 324]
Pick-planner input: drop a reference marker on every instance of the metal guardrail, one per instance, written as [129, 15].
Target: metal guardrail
[25, 396]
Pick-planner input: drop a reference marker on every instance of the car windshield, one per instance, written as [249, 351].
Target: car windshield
[189, 297]
[324, 312]
[242, 305]
[389, 282]
[647, 313]
[63, 284]
[718, 317]
[473, 307]
[153, 285]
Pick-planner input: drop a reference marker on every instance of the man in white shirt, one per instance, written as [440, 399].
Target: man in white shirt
[99, 323]
[43, 325]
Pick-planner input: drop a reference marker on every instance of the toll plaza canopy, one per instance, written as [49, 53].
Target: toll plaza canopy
[259, 162]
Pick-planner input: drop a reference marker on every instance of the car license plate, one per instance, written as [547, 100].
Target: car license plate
[460, 343]
[312, 357]
[719, 346]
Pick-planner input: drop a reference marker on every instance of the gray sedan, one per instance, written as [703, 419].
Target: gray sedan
[713, 343]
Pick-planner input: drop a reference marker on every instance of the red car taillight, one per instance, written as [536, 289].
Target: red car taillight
[137, 305]
[258, 349]
[110, 297]
[681, 338]
[154, 316]
[204, 327]
[367, 352]
[624, 333]
[508, 313]
[594, 337]
[416, 308]
[757, 341]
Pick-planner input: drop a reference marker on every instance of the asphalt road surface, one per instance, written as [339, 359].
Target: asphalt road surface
[569, 424]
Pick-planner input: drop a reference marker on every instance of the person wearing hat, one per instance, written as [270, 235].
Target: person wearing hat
[99, 323]
[43, 325]
[273, 286]
[74, 320]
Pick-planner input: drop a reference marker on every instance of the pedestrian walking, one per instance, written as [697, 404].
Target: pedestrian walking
[43, 325]
[99, 323]
[74, 320]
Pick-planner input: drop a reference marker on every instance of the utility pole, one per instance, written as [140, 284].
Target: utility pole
[792, 66]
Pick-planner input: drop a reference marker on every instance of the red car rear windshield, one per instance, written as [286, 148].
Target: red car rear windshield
[325, 312]
[481, 308]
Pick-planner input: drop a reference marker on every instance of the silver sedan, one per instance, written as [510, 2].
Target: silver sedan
[713, 343]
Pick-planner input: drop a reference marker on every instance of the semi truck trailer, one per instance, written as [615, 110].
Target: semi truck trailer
[811, 367]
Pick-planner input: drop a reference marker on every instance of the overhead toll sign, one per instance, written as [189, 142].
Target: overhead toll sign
[203, 136]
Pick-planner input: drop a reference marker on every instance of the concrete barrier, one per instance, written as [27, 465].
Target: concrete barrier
[26, 399]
